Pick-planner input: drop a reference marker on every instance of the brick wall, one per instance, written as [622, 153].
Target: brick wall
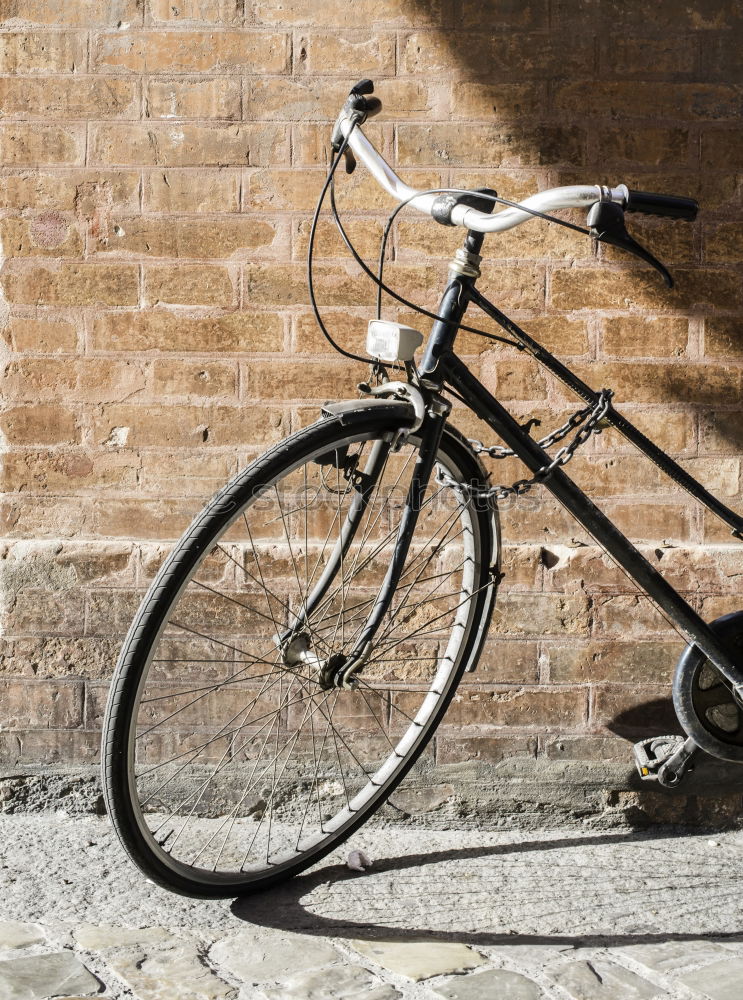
[159, 163]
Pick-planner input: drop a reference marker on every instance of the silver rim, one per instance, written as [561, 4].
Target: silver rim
[240, 766]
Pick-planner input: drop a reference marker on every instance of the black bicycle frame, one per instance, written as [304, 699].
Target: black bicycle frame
[441, 367]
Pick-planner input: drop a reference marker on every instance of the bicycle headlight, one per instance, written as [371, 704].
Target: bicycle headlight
[392, 341]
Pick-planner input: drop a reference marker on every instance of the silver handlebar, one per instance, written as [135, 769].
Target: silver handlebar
[573, 196]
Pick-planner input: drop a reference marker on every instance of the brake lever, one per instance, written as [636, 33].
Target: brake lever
[350, 160]
[606, 222]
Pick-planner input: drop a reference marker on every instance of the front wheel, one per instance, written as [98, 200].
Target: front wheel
[229, 763]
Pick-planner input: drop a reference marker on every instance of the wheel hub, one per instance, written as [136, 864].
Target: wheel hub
[297, 652]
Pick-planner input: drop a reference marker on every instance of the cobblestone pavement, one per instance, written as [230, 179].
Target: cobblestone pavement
[459, 915]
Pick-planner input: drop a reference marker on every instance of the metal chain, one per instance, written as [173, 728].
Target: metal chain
[590, 418]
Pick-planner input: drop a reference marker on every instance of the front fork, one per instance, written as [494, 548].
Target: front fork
[338, 669]
[340, 674]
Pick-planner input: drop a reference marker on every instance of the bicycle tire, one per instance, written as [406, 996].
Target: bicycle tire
[123, 770]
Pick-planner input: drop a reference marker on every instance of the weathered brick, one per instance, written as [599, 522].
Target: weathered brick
[513, 379]
[68, 472]
[298, 379]
[332, 52]
[191, 52]
[162, 330]
[657, 147]
[49, 234]
[519, 707]
[364, 234]
[24, 517]
[707, 288]
[81, 13]
[173, 473]
[500, 102]
[629, 709]
[311, 146]
[73, 284]
[721, 148]
[452, 747]
[504, 55]
[674, 433]
[309, 339]
[141, 519]
[506, 663]
[41, 704]
[40, 424]
[178, 378]
[299, 189]
[309, 99]
[209, 11]
[230, 236]
[81, 191]
[645, 336]
[190, 284]
[723, 337]
[465, 145]
[651, 522]
[31, 336]
[42, 52]
[668, 16]
[87, 379]
[612, 99]
[69, 97]
[641, 662]
[722, 430]
[541, 614]
[193, 98]
[188, 191]
[183, 145]
[671, 57]
[183, 425]
[27, 144]
[722, 243]
[367, 12]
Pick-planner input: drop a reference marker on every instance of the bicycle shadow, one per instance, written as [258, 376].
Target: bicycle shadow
[416, 903]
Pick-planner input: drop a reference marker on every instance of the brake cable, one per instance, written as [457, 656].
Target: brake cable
[377, 278]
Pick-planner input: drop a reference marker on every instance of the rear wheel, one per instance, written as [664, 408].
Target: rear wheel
[229, 762]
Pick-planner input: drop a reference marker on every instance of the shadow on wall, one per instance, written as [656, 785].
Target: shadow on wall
[609, 92]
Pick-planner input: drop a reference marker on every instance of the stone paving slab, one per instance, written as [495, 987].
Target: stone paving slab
[461, 915]
[718, 981]
[41, 976]
[419, 960]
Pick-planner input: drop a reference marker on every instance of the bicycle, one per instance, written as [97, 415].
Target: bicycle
[297, 650]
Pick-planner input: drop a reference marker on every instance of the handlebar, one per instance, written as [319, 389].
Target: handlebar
[359, 107]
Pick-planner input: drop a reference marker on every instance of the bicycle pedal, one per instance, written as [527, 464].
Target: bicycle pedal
[651, 754]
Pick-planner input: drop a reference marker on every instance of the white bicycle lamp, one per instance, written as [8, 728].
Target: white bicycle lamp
[390, 341]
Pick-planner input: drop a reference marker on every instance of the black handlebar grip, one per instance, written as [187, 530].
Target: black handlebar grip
[667, 205]
[372, 106]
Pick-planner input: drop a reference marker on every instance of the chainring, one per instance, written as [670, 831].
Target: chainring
[704, 704]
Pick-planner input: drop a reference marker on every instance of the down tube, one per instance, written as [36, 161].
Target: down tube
[588, 514]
